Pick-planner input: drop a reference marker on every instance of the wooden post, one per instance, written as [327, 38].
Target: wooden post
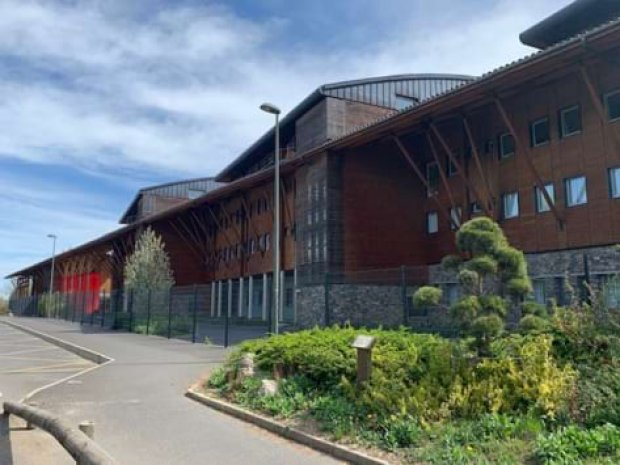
[363, 345]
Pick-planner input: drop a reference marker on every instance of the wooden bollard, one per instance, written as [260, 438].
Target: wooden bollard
[88, 428]
[363, 345]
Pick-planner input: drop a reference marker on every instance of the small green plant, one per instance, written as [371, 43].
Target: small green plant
[427, 297]
[533, 324]
[573, 445]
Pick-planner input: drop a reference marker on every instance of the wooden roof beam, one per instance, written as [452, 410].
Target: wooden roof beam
[407, 156]
[460, 171]
[442, 174]
[523, 148]
[476, 155]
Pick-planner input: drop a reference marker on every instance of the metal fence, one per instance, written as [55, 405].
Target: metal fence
[180, 312]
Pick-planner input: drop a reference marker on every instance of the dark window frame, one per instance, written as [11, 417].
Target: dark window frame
[533, 125]
[428, 216]
[504, 196]
[500, 146]
[566, 191]
[561, 121]
[539, 198]
[606, 97]
[613, 195]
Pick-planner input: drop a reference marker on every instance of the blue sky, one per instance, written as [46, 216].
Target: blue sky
[99, 98]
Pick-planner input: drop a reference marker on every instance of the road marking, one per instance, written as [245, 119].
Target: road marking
[29, 351]
[40, 369]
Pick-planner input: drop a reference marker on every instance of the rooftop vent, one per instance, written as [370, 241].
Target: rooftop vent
[577, 17]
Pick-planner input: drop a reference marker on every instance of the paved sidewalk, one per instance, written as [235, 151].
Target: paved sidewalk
[138, 406]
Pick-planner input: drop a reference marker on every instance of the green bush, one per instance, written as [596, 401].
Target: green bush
[427, 296]
[4, 306]
[533, 324]
[466, 309]
[530, 307]
[494, 305]
[487, 327]
[483, 265]
[598, 395]
[572, 445]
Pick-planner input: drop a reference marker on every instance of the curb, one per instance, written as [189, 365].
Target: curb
[80, 351]
[321, 445]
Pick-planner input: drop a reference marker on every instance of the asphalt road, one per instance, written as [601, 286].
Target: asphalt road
[141, 415]
[27, 363]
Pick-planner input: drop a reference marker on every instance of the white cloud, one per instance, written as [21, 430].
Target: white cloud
[29, 214]
[178, 91]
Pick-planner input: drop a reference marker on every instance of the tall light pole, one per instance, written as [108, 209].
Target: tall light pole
[51, 291]
[272, 109]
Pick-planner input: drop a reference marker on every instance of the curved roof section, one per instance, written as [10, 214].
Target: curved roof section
[570, 20]
[379, 91]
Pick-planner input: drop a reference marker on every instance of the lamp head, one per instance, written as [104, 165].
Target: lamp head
[270, 108]
[52, 236]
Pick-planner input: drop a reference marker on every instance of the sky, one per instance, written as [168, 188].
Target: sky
[100, 98]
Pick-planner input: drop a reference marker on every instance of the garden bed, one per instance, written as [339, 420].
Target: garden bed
[533, 399]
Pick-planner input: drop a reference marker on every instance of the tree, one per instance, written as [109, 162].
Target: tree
[492, 274]
[148, 268]
[4, 306]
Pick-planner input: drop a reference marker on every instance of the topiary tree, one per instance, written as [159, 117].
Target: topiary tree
[427, 297]
[491, 273]
[148, 267]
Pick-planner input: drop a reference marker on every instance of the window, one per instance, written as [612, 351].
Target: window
[539, 132]
[506, 145]
[510, 203]
[451, 168]
[432, 177]
[475, 208]
[432, 222]
[194, 193]
[403, 101]
[612, 103]
[267, 241]
[541, 202]
[614, 183]
[455, 218]
[538, 286]
[570, 121]
[576, 191]
[611, 291]
[452, 293]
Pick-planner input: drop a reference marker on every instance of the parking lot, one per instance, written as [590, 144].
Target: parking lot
[28, 363]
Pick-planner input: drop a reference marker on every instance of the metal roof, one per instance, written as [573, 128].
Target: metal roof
[175, 189]
[379, 91]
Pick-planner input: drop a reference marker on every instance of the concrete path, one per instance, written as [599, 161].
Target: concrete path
[138, 406]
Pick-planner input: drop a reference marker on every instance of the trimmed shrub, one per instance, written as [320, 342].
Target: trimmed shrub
[486, 328]
[530, 307]
[533, 324]
[427, 296]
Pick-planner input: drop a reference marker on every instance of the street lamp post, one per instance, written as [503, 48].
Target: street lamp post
[51, 290]
[272, 109]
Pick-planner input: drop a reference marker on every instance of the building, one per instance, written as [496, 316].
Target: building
[378, 174]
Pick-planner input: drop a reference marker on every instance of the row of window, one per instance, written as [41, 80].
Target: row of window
[575, 194]
[316, 247]
[569, 124]
[251, 246]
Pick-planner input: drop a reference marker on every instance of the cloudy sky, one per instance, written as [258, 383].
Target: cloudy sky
[98, 98]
